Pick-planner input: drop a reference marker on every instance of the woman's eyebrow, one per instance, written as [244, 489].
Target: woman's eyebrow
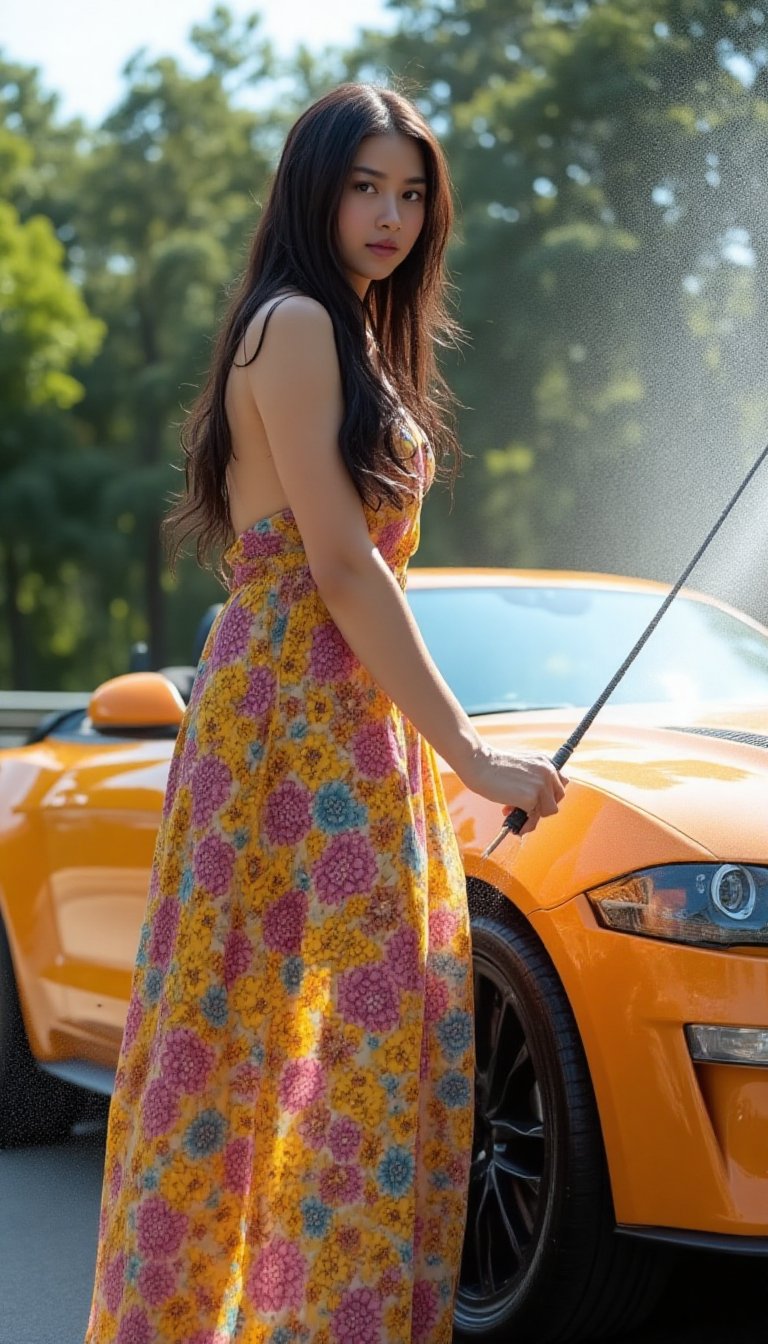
[374, 172]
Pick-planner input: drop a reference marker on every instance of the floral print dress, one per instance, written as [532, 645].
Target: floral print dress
[290, 1132]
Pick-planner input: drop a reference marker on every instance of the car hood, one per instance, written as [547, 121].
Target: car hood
[702, 770]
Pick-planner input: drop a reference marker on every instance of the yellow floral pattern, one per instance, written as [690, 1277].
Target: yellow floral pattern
[290, 1132]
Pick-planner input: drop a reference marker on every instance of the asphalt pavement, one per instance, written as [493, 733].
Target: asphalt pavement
[49, 1212]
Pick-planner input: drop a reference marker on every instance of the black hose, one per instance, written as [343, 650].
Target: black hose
[517, 819]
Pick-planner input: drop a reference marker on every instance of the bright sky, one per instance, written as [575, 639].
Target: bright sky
[81, 45]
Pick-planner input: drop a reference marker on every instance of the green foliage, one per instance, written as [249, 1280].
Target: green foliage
[609, 261]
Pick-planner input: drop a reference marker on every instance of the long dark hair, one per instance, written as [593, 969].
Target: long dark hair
[295, 248]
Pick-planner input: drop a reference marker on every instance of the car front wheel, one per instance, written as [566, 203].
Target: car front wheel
[541, 1263]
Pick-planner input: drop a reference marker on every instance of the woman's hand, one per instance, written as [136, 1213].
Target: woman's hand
[525, 779]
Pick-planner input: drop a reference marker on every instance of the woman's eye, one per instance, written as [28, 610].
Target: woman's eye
[361, 186]
[415, 195]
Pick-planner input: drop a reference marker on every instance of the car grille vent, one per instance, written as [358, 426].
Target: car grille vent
[730, 734]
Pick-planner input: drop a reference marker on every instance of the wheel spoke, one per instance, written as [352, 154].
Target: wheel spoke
[511, 1130]
[514, 1243]
[483, 1262]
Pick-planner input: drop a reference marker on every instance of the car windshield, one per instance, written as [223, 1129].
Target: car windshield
[516, 648]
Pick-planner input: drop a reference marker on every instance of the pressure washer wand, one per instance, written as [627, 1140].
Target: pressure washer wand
[516, 819]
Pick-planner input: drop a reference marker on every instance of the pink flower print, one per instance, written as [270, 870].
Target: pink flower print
[133, 1020]
[210, 786]
[134, 1328]
[344, 1138]
[313, 1126]
[340, 1185]
[357, 1319]
[231, 638]
[160, 1109]
[436, 998]
[156, 1282]
[237, 956]
[159, 1228]
[165, 922]
[375, 750]
[425, 1308]
[214, 861]
[403, 959]
[238, 1165]
[283, 922]
[260, 694]
[259, 545]
[186, 1060]
[347, 867]
[414, 765]
[391, 537]
[368, 998]
[116, 1180]
[303, 1081]
[331, 657]
[390, 1281]
[443, 926]
[277, 1276]
[287, 816]
[114, 1281]
[457, 1169]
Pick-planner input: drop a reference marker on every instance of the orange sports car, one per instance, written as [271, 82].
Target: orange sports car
[620, 951]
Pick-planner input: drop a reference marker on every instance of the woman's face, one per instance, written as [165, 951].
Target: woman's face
[382, 207]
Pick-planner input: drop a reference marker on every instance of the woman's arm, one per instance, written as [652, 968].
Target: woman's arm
[296, 385]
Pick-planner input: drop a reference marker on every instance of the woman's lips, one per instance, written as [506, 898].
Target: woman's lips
[382, 249]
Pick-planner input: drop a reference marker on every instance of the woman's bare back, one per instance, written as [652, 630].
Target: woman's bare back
[254, 487]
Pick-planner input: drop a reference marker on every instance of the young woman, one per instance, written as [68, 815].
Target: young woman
[290, 1132]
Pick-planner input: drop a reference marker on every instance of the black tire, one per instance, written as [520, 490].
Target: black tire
[34, 1107]
[541, 1263]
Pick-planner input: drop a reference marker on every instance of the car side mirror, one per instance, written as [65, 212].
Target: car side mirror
[136, 700]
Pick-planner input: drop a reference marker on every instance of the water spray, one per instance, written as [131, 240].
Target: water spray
[517, 818]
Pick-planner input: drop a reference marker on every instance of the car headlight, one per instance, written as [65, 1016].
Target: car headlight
[703, 904]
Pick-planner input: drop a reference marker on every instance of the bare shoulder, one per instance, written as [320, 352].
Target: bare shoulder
[293, 321]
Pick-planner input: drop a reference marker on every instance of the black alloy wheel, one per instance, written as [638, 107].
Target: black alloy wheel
[541, 1261]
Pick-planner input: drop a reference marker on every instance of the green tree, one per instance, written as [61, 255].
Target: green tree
[45, 328]
[610, 268]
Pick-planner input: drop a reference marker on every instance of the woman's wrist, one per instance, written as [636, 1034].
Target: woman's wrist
[467, 752]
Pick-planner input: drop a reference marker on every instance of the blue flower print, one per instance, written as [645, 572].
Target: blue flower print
[410, 852]
[153, 984]
[206, 1133]
[454, 1033]
[214, 1005]
[282, 1334]
[141, 955]
[317, 1216]
[298, 729]
[335, 809]
[453, 1090]
[395, 1171]
[292, 973]
[186, 885]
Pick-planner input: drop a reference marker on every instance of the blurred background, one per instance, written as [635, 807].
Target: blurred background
[610, 263]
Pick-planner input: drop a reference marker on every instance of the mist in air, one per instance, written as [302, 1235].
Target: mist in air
[616, 385]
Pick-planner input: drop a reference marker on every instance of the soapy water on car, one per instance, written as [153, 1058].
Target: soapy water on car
[516, 819]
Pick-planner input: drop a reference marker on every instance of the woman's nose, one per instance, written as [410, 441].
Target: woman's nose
[389, 215]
